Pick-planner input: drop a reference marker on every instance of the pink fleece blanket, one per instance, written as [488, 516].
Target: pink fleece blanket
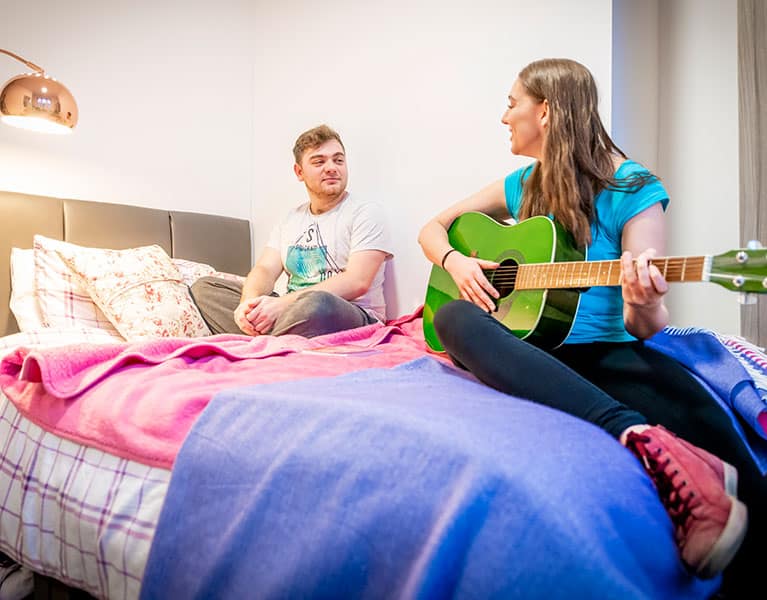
[139, 400]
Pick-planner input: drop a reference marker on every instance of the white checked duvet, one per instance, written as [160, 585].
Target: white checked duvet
[75, 513]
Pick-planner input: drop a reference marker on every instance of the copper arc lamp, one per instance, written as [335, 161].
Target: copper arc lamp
[37, 101]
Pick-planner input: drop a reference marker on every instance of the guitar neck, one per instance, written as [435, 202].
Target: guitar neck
[583, 274]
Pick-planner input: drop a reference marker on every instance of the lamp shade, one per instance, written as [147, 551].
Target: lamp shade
[36, 101]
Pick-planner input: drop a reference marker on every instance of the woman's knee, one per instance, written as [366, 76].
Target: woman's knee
[454, 316]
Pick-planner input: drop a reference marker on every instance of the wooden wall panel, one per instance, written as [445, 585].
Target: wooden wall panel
[752, 84]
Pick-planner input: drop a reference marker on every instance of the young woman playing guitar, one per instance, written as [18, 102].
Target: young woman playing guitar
[603, 372]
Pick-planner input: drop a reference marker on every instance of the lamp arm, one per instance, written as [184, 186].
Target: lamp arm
[30, 64]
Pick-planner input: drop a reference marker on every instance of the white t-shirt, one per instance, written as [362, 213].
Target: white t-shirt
[313, 248]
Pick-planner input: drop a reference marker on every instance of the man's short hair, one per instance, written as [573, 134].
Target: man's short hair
[312, 139]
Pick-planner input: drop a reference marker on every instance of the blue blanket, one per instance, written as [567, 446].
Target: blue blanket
[411, 482]
[722, 373]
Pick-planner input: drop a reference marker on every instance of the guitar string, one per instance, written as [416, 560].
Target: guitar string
[508, 274]
[595, 280]
[565, 266]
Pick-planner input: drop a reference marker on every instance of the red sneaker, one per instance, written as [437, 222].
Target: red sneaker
[725, 472]
[698, 491]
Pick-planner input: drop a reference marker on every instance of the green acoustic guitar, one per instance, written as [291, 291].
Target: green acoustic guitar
[541, 275]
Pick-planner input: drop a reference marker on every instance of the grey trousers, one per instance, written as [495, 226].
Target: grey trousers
[312, 314]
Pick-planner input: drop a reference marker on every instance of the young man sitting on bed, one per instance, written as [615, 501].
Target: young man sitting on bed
[333, 249]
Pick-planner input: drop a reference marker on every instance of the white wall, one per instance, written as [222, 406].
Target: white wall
[675, 108]
[164, 90]
[698, 148]
[416, 90]
[195, 105]
[636, 80]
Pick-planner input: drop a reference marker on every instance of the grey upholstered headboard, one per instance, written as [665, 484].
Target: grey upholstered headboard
[222, 242]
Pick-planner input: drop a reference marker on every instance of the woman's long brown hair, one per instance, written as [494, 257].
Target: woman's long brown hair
[577, 152]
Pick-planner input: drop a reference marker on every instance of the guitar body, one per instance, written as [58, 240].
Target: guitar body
[543, 317]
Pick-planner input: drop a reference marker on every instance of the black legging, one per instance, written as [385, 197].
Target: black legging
[612, 385]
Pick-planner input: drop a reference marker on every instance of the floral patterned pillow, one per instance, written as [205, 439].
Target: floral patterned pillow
[191, 271]
[139, 290]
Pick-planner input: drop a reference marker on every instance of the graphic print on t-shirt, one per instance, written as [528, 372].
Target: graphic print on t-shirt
[308, 261]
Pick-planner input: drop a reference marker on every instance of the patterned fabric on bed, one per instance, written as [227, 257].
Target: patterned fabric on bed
[733, 371]
[138, 289]
[78, 514]
[752, 358]
[191, 271]
[64, 301]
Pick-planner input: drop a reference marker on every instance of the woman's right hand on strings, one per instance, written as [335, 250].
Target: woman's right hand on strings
[473, 285]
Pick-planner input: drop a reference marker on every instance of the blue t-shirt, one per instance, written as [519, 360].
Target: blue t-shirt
[600, 312]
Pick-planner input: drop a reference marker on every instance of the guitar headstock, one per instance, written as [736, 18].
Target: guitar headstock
[741, 270]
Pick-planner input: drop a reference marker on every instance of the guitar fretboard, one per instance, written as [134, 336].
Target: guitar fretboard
[583, 274]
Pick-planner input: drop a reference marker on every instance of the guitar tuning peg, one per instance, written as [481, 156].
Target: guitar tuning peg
[742, 255]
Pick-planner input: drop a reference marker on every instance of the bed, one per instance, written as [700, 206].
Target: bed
[142, 461]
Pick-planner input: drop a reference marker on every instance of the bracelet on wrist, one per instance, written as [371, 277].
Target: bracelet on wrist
[444, 258]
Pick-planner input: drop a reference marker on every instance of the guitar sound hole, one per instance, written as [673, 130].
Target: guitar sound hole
[504, 277]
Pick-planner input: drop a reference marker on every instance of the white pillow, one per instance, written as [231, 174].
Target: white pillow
[138, 289]
[62, 297]
[23, 304]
